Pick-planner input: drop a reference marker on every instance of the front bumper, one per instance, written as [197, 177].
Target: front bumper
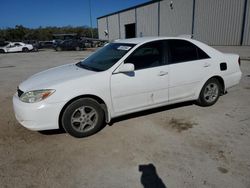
[37, 116]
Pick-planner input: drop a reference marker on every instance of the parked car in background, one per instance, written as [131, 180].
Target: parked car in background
[46, 44]
[123, 77]
[71, 44]
[99, 43]
[16, 47]
[34, 43]
[93, 42]
[88, 43]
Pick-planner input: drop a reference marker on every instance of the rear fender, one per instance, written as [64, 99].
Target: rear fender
[202, 83]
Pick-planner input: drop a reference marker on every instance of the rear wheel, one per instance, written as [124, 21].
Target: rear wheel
[210, 93]
[83, 117]
[2, 51]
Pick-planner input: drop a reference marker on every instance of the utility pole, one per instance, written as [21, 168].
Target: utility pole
[90, 17]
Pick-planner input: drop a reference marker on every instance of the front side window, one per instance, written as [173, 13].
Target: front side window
[106, 57]
[181, 51]
[147, 56]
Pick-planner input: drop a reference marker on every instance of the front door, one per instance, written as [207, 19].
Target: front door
[147, 85]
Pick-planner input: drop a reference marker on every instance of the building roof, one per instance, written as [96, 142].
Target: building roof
[134, 7]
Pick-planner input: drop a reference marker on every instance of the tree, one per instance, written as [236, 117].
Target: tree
[20, 33]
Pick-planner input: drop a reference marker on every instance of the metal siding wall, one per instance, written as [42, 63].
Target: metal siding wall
[127, 17]
[102, 26]
[147, 20]
[218, 22]
[176, 21]
[246, 37]
[113, 24]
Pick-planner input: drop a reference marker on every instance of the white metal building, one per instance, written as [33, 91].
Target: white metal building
[216, 22]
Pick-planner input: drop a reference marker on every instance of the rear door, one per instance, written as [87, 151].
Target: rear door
[188, 66]
[147, 85]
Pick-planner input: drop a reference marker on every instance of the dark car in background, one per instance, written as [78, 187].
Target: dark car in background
[46, 44]
[93, 42]
[71, 44]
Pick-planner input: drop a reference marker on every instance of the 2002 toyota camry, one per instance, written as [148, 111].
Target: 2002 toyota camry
[124, 77]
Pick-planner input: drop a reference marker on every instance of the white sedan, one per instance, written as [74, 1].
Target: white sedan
[16, 47]
[123, 77]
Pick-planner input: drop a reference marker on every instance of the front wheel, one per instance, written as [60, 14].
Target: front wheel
[83, 117]
[25, 49]
[210, 93]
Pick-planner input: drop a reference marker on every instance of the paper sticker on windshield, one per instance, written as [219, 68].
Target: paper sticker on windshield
[126, 48]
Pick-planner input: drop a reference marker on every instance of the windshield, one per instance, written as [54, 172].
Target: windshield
[106, 57]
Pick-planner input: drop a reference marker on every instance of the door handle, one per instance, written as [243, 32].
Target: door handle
[162, 73]
[207, 64]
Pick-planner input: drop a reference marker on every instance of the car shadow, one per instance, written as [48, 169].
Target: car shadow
[125, 117]
[149, 177]
[53, 132]
[150, 111]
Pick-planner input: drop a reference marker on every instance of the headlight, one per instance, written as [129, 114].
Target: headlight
[36, 96]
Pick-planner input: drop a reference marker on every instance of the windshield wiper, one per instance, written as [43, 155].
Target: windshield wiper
[87, 67]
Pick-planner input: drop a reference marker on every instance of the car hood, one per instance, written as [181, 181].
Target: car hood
[51, 77]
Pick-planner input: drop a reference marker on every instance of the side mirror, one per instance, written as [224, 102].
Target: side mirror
[125, 68]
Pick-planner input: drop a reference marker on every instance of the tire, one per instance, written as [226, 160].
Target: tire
[2, 51]
[25, 49]
[210, 93]
[35, 49]
[82, 118]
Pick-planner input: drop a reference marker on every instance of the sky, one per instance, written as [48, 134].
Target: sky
[36, 13]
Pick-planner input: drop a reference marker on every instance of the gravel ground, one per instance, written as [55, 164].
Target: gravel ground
[181, 145]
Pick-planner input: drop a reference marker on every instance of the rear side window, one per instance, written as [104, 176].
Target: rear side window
[181, 51]
[201, 54]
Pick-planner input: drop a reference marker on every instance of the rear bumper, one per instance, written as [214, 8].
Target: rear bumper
[232, 79]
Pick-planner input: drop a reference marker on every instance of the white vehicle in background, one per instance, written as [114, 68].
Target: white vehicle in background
[16, 47]
[123, 77]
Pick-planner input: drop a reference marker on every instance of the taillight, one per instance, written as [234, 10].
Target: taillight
[239, 61]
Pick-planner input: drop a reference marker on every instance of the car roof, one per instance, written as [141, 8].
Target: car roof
[138, 41]
[17, 42]
[147, 39]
